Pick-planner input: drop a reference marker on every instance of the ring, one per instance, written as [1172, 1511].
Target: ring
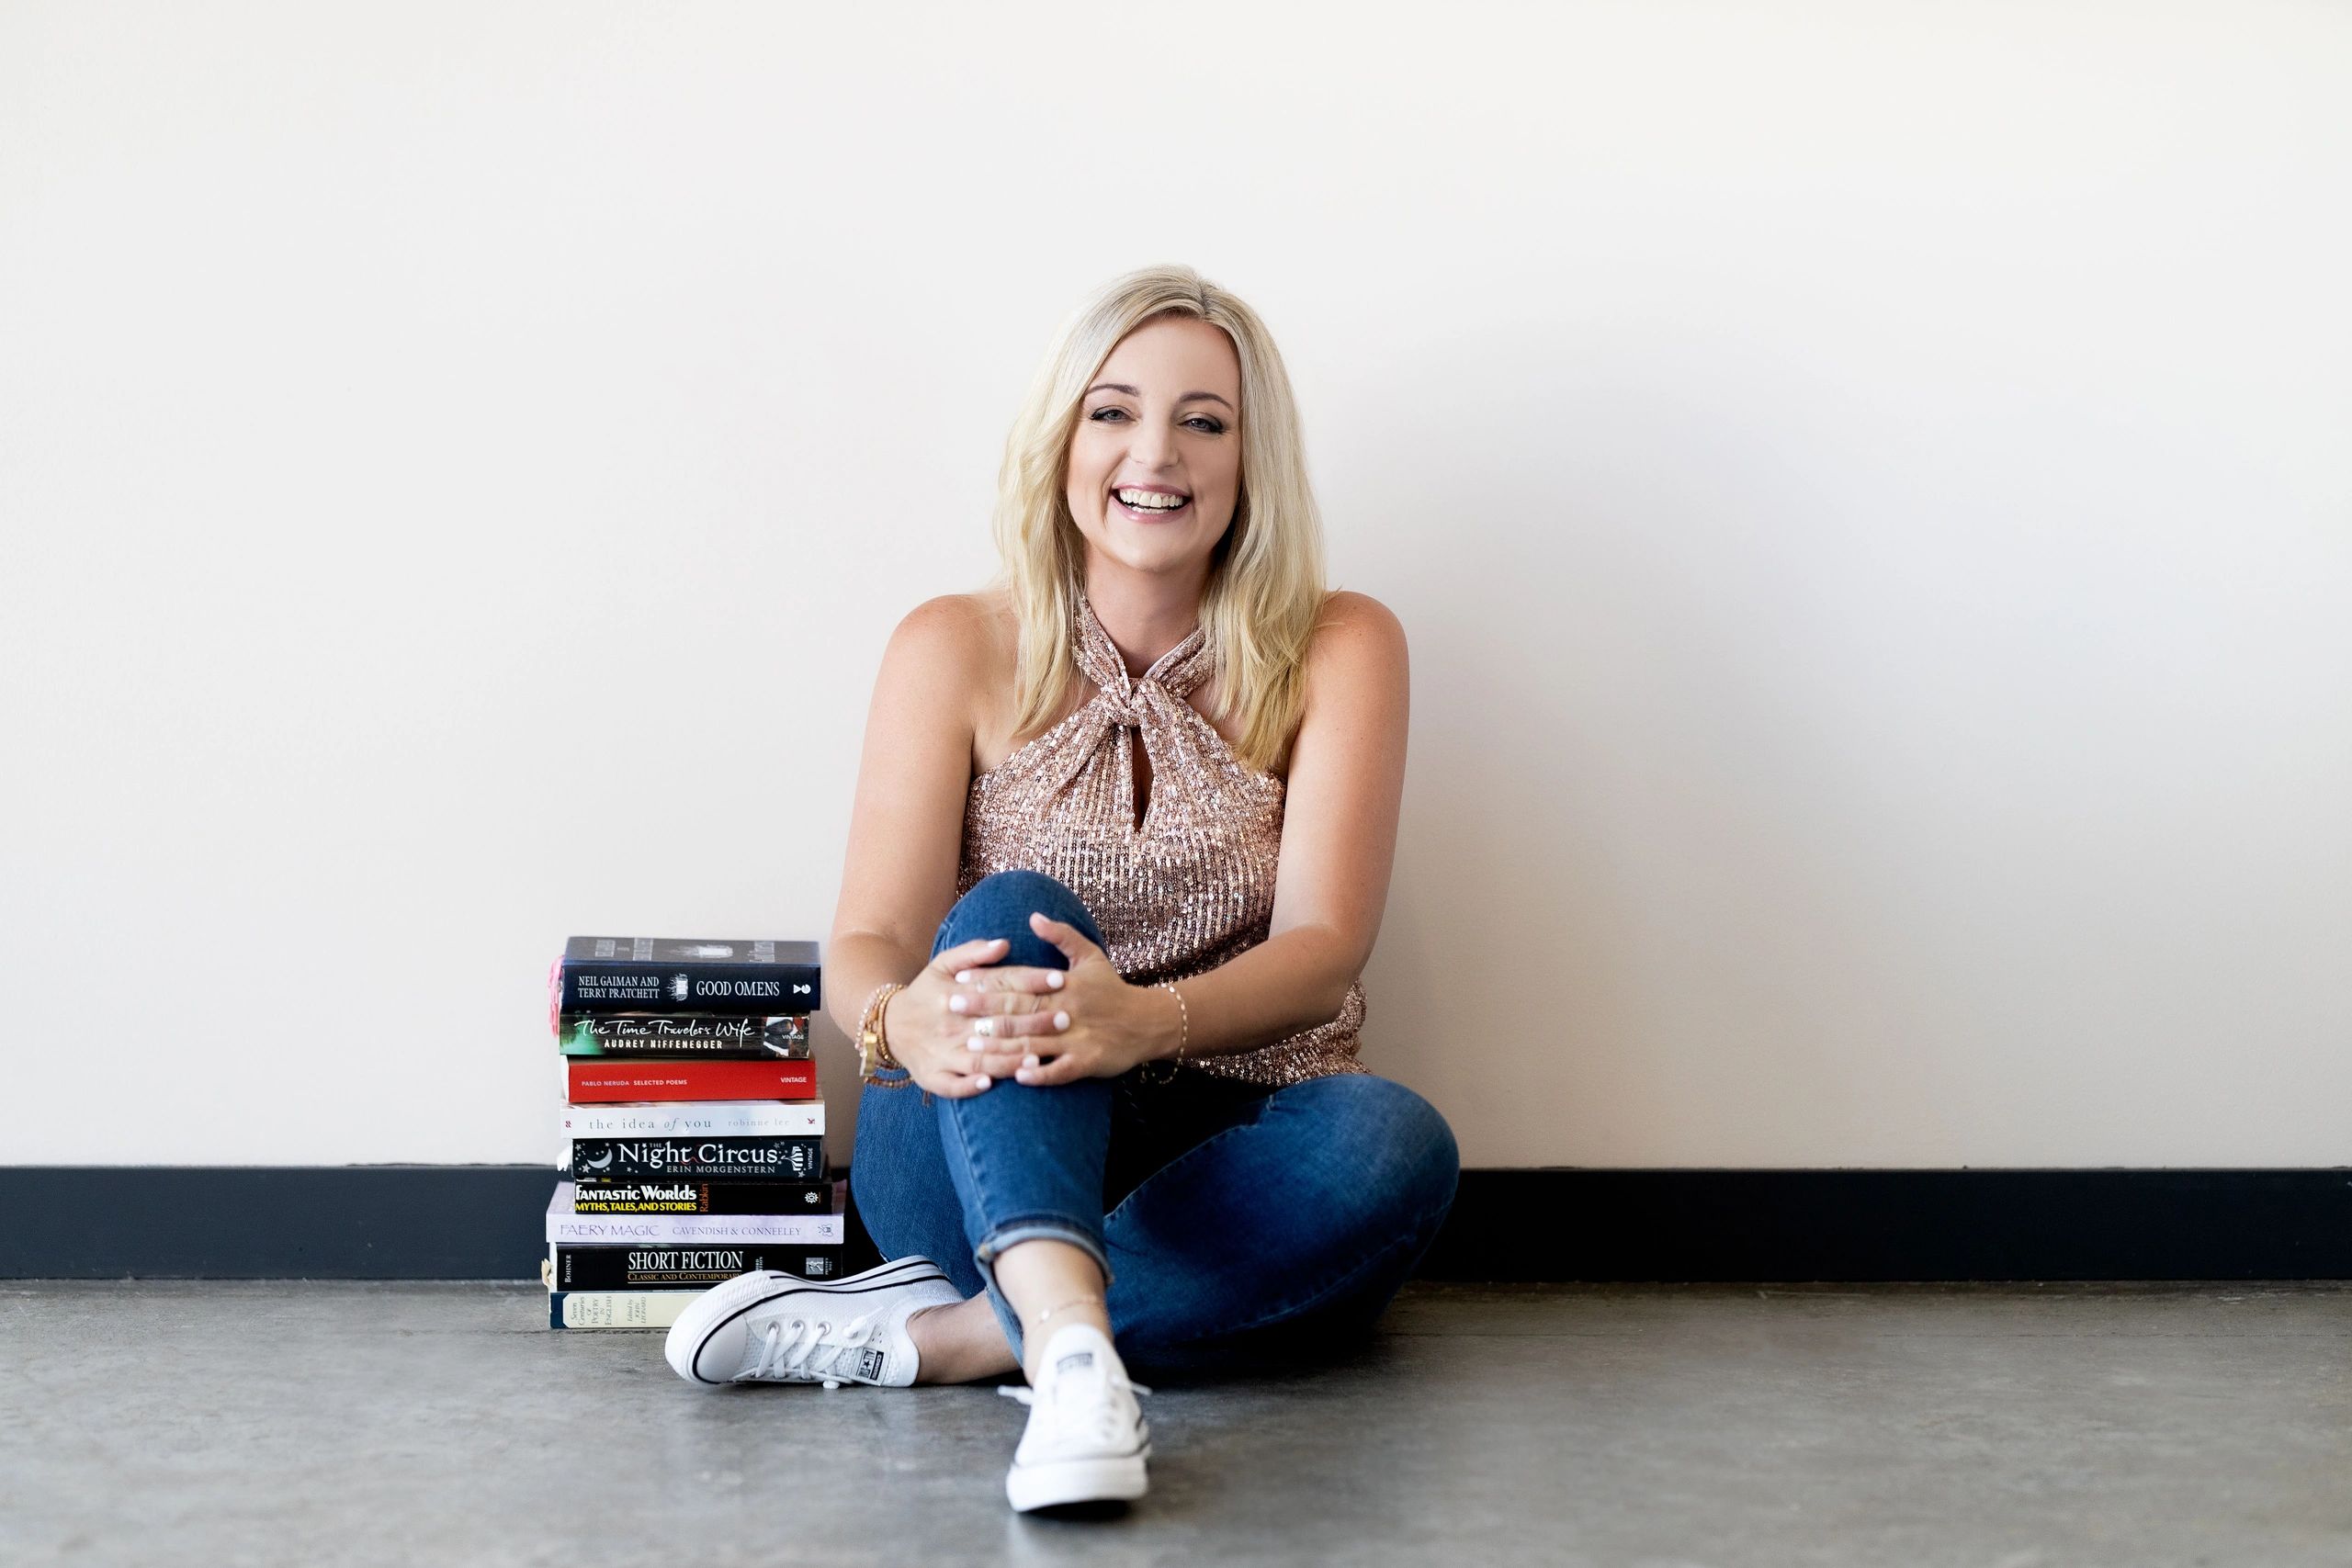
[984, 1026]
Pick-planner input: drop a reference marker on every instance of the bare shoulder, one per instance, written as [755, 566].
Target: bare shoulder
[1358, 640]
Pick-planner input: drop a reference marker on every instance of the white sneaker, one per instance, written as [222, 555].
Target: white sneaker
[774, 1327]
[1085, 1441]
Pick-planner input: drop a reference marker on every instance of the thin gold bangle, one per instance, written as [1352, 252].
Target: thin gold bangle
[1183, 1028]
[873, 1042]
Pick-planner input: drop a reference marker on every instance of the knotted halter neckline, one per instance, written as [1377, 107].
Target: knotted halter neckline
[1174, 676]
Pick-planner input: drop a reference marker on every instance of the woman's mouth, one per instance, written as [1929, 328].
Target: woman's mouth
[1150, 506]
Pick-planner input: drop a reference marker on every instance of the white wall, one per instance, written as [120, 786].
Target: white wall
[1866, 486]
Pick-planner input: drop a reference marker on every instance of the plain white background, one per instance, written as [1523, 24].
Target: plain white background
[1867, 488]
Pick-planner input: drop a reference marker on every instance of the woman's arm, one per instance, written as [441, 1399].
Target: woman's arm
[899, 876]
[1345, 789]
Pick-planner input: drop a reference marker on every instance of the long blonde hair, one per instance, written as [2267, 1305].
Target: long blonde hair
[1265, 590]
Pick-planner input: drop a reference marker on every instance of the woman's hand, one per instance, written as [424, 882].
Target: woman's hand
[925, 1036]
[1055, 1026]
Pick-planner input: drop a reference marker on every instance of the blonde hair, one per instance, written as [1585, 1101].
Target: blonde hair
[1265, 590]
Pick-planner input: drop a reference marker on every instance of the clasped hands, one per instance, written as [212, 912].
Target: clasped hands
[969, 1019]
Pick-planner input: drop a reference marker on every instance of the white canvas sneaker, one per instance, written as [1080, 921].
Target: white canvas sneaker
[774, 1327]
[1085, 1441]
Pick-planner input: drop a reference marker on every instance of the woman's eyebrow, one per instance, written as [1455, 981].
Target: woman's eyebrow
[1122, 387]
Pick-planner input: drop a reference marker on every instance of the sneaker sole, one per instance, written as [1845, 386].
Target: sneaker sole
[1077, 1481]
[722, 1305]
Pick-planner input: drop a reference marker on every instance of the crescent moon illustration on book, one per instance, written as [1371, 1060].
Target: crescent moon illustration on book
[601, 1161]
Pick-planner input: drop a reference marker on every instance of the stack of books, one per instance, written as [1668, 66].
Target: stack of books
[694, 1138]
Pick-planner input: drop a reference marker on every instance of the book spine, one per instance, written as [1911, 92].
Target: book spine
[675, 1268]
[695, 1197]
[632, 1034]
[609, 1160]
[620, 985]
[697, 1230]
[698, 1119]
[616, 1309]
[606, 1080]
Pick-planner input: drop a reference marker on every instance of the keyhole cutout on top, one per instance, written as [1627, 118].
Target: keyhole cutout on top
[1143, 782]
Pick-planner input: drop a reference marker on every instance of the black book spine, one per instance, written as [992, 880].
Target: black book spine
[800, 1158]
[672, 1268]
[744, 1036]
[702, 1198]
[620, 985]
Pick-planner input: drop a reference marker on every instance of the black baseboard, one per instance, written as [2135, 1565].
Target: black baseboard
[484, 1223]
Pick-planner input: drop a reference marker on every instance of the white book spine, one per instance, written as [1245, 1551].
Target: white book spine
[616, 1309]
[710, 1118]
[697, 1230]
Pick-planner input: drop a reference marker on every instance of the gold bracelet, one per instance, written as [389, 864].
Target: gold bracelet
[873, 1044]
[1183, 1029]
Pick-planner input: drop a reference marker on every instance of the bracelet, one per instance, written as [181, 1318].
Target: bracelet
[1183, 1029]
[1065, 1306]
[874, 1044]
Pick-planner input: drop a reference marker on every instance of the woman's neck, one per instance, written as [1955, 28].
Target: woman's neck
[1145, 614]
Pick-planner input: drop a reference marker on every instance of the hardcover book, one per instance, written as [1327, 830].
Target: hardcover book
[603, 1079]
[665, 1035]
[609, 1160]
[670, 1268]
[569, 1229]
[625, 974]
[695, 1119]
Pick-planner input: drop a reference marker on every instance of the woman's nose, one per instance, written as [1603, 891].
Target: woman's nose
[1153, 445]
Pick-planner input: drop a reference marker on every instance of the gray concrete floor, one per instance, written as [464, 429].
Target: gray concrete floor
[1988, 1425]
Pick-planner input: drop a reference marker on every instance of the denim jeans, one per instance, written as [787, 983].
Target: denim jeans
[1236, 1224]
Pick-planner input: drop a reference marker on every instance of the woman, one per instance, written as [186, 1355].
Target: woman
[1115, 1091]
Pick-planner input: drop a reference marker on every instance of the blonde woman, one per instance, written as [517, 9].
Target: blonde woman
[1122, 832]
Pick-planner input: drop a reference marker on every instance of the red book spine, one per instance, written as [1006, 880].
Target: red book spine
[600, 1080]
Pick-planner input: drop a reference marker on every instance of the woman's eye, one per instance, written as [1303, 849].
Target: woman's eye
[1209, 425]
[1098, 414]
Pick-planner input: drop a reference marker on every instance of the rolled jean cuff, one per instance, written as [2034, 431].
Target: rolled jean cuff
[1033, 1227]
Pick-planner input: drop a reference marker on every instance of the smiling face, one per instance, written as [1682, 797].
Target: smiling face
[1155, 461]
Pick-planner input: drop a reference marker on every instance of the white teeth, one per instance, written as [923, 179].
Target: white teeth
[1148, 501]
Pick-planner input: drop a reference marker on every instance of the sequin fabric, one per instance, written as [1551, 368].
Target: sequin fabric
[1190, 888]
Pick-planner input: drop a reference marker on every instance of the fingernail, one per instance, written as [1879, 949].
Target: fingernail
[1055, 978]
[1022, 1077]
[982, 1080]
[1028, 1061]
[976, 1044]
[956, 1004]
[1061, 1020]
[963, 976]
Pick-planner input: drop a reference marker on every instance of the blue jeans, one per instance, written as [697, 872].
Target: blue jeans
[1236, 1224]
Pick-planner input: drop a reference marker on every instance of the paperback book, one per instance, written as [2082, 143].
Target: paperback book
[697, 1159]
[818, 1225]
[636, 1035]
[670, 1268]
[599, 1080]
[697, 1119]
[621, 974]
[616, 1309]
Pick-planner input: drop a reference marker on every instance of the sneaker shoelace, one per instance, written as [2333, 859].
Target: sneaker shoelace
[805, 1349]
[1070, 1407]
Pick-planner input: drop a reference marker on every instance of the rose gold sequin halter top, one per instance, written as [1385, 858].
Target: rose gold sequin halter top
[1191, 887]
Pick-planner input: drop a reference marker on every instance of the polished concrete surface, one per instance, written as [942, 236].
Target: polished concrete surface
[1984, 1425]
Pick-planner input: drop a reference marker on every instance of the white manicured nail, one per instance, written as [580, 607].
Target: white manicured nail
[963, 976]
[958, 1004]
[982, 1081]
[976, 1044]
[1055, 978]
[1061, 1020]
